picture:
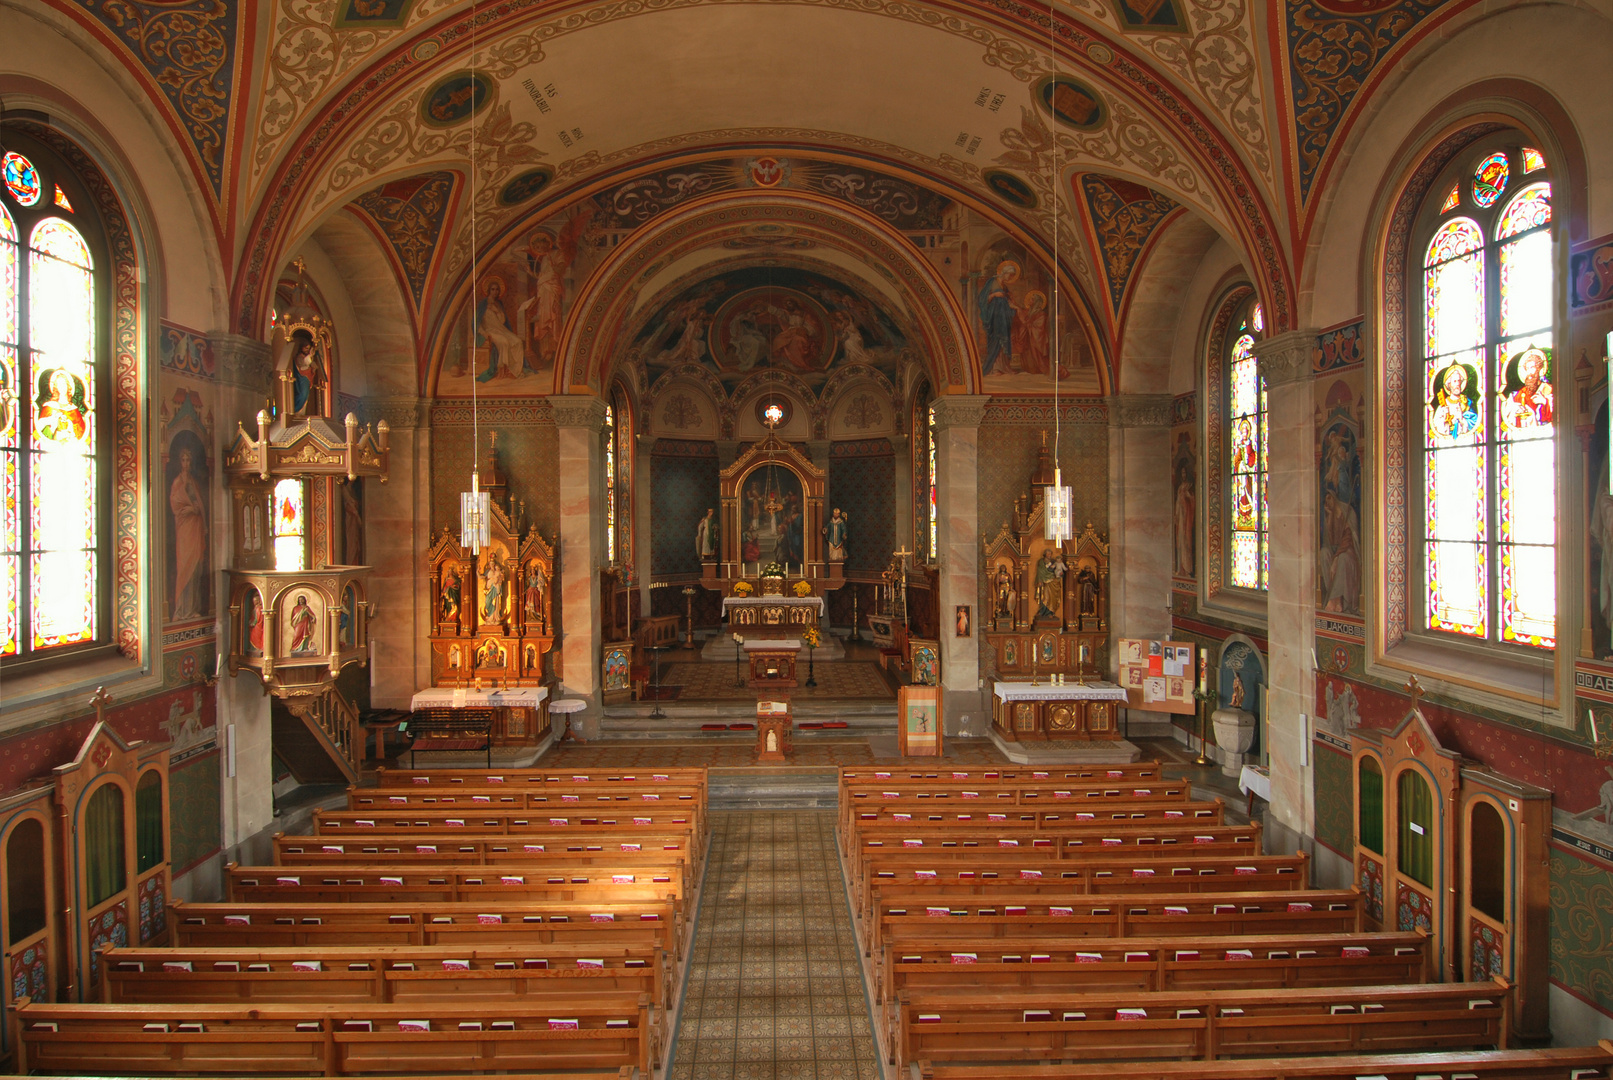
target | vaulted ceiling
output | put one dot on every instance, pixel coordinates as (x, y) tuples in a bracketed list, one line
[(1085, 137)]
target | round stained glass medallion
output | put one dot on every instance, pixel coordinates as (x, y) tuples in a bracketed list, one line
[(1490, 179), (22, 179), (773, 412)]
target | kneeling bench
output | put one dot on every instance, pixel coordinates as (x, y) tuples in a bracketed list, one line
[(450, 729)]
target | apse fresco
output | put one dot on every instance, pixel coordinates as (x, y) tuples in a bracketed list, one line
[(1015, 328), (1338, 563), (755, 318)]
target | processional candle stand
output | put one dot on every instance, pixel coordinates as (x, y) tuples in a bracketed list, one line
[(739, 662), (1201, 697), (688, 595)]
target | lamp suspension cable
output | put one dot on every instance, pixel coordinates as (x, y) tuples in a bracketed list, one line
[(474, 505), (1058, 498)]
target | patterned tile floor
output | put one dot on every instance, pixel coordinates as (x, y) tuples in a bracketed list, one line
[(775, 989)]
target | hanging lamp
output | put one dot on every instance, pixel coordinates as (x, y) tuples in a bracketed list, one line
[(1057, 500), (475, 505)]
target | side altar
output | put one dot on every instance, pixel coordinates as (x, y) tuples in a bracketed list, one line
[(493, 620)]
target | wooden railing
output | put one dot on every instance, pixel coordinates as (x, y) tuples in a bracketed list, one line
[(335, 722)]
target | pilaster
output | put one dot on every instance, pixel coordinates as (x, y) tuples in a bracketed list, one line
[(1286, 364), (397, 538), (1139, 518), (957, 457), (580, 420), (244, 363), (902, 447), (643, 484)]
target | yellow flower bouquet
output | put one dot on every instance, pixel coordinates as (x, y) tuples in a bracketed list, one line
[(803, 588), (812, 638), (743, 588)]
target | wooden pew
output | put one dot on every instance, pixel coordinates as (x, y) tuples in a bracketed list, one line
[(901, 812), (1135, 871), (566, 798), (378, 974), (500, 822), (1561, 1063), (1019, 916), (1147, 965), (637, 924), (1136, 798), (313, 1040), (360, 883), (1051, 1026), (390, 777), (618, 854), (1076, 841), (864, 776)]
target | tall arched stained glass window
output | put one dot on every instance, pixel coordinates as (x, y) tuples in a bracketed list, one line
[(1489, 430), (934, 515), (52, 553), (619, 477), (610, 483), (1246, 464)]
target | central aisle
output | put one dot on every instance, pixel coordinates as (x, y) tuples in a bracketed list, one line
[(775, 988)]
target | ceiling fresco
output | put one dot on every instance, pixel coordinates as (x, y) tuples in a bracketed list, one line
[(290, 111)]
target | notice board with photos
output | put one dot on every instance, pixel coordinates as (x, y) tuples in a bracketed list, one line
[(1159, 676)]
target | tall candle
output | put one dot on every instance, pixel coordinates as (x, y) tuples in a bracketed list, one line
[(1203, 663)]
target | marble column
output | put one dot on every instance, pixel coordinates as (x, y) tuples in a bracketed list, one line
[(1291, 498), (397, 541), (957, 454), (1140, 508), (246, 800), (580, 420)]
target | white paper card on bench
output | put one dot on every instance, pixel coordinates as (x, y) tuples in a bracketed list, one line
[(1131, 1014), (456, 965), (1088, 958), (414, 1025), (177, 965), (601, 916), (489, 919), (557, 1024), (1061, 912), (593, 963)]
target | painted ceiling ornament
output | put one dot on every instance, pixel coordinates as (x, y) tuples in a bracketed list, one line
[(1071, 102), (1011, 188), (1158, 16), (767, 171)]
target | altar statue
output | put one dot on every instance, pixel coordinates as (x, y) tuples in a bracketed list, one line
[(1003, 589), (1049, 583), (705, 535), (838, 532)]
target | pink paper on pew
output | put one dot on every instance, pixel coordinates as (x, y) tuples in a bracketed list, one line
[(1030, 875)]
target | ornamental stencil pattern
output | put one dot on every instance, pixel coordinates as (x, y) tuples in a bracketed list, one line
[(410, 214), (1331, 57), (1124, 217), (862, 482), (681, 489), (1581, 927), (1335, 797), (188, 49)]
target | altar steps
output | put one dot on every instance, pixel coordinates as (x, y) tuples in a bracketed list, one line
[(685, 720)]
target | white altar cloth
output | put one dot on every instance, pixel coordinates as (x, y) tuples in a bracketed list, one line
[(1022, 690), (448, 697), (815, 602), (772, 644), (1254, 780)]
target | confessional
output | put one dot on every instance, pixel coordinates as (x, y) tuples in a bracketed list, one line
[(86, 864), (1449, 847)]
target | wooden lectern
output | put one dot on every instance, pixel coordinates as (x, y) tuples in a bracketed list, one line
[(773, 727)]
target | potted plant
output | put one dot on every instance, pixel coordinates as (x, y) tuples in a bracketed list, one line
[(773, 579), (813, 639), (803, 588), (743, 588)]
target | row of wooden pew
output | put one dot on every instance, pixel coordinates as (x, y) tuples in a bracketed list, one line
[(1021, 924), (503, 934)]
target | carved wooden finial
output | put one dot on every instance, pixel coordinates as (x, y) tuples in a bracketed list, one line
[(100, 700), (1415, 689)]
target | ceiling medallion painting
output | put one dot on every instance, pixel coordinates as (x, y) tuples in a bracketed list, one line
[(1158, 16), (1072, 102), (525, 185), (452, 98), (759, 317), (1011, 188), (371, 13)]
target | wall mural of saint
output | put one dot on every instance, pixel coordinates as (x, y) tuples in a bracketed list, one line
[(772, 513)]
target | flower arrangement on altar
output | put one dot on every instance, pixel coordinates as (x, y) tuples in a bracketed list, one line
[(743, 588), (773, 569), (803, 588), (812, 638)]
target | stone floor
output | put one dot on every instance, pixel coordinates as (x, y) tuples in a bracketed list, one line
[(838, 680), (775, 986)]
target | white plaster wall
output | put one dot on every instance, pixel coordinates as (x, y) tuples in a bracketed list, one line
[(1216, 270), (1159, 290), (332, 287), (1556, 46), (380, 310)]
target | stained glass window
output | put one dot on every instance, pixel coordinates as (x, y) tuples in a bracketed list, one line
[(1246, 439), (62, 199), (52, 556), (21, 178), (619, 478), (610, 483), (1490, 475), (1533, 160), (1490, 179), (935, 552), (1452, 199), (290, 525)]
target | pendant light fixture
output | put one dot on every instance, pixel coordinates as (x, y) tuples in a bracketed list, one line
[(475, 505), (1057, 500)]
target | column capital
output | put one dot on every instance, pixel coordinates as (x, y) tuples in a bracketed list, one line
[(1286, 358), (578, 411), (1140, 410), (959, 410), (243, 362), (400, 413)]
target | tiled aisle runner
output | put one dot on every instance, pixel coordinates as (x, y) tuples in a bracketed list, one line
[(775, 989)]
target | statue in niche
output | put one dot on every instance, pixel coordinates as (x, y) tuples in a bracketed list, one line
[(448, 609), (1049, 584), (492, 591), (1086, 590), (1003, 590)]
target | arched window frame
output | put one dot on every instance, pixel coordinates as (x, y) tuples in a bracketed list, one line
[(1234, 311), (1483, 673), (62, 197)]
